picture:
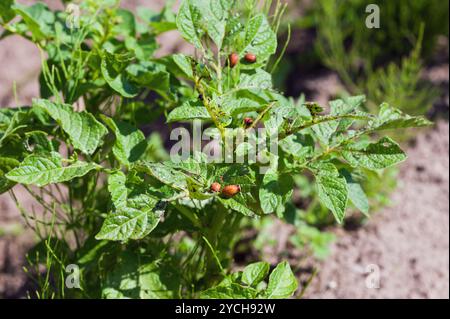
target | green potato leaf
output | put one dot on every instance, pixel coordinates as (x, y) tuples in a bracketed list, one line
[(232, 291), (38, 18), (189, 21), (113, 71), (255, 273), (391, 118), (331, 189), (127, 223), (83, 129), (118, 189), (139, 276), (188, 111), (259, 39), (356, 193), (282, 282), (41, 170), (275, 191), (130, 142), (197, 17), (379, 155)]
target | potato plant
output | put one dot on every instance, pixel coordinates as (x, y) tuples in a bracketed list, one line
[(140, 223)]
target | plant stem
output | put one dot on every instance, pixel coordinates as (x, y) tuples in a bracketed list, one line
[(217, 221), (324, 119)]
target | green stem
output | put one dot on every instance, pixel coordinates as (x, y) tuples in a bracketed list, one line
[(213, 252), (189, 215), (324, 119), (208, 107), (261, 115), (211, 236), (219, 72)]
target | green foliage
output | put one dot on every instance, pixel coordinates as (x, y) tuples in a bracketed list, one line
[(254, 273), (249, 283), (282, 282), (44, 169), (400, 24), (401, 84), (84, 131), (371, 64), (139, 224), (309, 237), (128, 223), (383, 63), (332, 190), (130, 142), (6, 11), (136, 276), (274, 192), (6, 165)]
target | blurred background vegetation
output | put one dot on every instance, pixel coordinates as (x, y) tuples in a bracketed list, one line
[(384, 63)]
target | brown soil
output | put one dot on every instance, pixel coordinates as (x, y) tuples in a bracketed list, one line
[(15, 240), (409, 241)]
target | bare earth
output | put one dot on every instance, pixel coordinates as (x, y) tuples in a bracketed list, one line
[(408, 242)]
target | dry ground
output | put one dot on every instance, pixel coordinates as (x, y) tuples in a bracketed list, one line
[(408, 241)]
